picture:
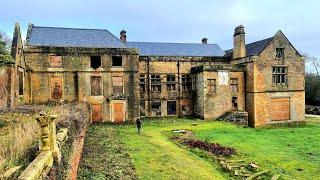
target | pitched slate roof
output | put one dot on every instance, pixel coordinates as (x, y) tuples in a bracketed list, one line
[(254, 48), (73, 37), (176, 49)]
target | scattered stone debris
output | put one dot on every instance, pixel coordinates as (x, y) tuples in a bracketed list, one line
[(180, 131), (237, 117), (275, 177)]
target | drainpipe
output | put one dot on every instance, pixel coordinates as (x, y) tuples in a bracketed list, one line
[(148, 84)]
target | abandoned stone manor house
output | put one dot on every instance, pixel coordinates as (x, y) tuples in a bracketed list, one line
[(124, 80)]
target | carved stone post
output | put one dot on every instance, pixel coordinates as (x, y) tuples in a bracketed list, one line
[(48, 132)]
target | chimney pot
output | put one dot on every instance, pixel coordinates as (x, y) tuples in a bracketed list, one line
[(204, 40), (123, 36)]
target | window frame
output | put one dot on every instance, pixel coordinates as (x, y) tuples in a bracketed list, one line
[(185, 82), (101, 86), (234, 84), (171, 82), (212, 85), (122, 84), (279, 75), (280, 53), (155, 81)]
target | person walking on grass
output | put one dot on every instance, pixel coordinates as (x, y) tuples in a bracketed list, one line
[(139, 124)]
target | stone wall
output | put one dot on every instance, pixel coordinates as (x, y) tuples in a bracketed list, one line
[(260, 90), (72, 73)]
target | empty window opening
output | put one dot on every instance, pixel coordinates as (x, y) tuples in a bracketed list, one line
[(142, 83), (171, 82), (155, 83), (234, 85), (117, 83), (194, 83), (20, 77), (279, 75), (171, 107), (142, 108), (117, 61), (156, 108), (95, 62), (234, 102), (280, 53), (96, 86), (211, 85), (185, 81)]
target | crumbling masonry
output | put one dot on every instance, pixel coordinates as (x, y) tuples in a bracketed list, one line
[(123, 80)]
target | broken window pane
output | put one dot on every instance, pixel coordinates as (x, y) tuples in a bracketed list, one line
[(96, 86), (95, 62), (142, 83), (280, 53), (155, 83), (171, 107), (117, 83), (235, 102), (117, 61), (171, 82), (185, 82), (279, 75), (234, 85), (156, 108)]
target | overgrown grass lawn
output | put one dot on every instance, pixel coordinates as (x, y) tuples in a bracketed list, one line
[(292, 152)]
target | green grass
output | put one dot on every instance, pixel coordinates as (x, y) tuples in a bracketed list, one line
[(293, 152)]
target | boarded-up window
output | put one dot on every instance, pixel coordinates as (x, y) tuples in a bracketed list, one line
[(186, 107), (171, 82), (96, 86), (155, 83), (185, 82), (117, 83), (56, 88), (55, 61), (96, 112), (234, 85), (118, 112), (279, 109), (20, 77), (211, 85), (171, 107)]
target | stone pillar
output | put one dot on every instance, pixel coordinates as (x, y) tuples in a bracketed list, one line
[(48, 132)]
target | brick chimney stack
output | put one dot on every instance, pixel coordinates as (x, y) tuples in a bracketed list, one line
[(204, 40), (239, 44), (123, 36)]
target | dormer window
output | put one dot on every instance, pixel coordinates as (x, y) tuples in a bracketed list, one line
[(95, 62), (280, 53)]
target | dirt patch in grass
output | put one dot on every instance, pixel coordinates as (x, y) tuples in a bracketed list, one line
[(187, 138), (104, 156)]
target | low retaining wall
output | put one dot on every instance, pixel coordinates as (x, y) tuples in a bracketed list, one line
[(50, 149)]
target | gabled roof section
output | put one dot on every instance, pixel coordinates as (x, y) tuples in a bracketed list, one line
[(176, 49), (73, 37), (255, 48)]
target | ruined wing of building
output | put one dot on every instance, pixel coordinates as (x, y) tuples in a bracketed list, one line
[(124, 80)]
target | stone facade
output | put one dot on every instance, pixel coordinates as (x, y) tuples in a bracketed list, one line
[(264, 78)]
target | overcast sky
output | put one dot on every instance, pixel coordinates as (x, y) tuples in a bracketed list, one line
[(175, 21)]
